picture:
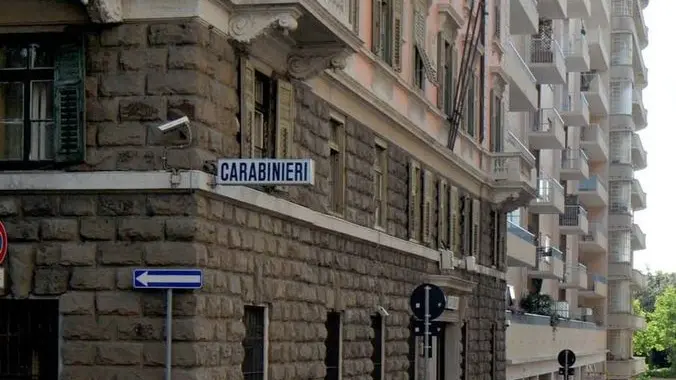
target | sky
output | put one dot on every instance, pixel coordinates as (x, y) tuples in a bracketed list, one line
[(658, 140)]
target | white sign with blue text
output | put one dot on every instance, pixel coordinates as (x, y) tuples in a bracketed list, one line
[(265, 171), (167, 278)]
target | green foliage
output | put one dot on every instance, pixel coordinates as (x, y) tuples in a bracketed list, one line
[(535, 303), (660, 334), (657, 282)]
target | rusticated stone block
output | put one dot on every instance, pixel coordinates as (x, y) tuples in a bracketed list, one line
[(21, 259), (189, 33), (9, 206), (102, 109), (40, 205), (118, 303), (121, 205), (171, 204), (78, 353), (174, 253), (145, 58), (124, 134), (22, 229), (97, 228), (59, 229), (78, 205), (78, 254), (92, 279), (141, 229), (125, 35), (147, 108), (77, 303), (51, 280), (126, 84), (177, 82)]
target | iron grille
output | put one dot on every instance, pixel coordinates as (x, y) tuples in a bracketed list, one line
[(29, 339), (377, 343), (332, 342), (411, 351), (253, 367), (464, 342)]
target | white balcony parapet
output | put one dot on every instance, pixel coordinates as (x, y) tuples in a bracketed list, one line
[(546, 60)]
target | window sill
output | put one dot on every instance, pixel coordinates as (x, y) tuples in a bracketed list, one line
[(380, 228)]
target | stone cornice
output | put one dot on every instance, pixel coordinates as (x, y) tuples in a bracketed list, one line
[(246, 25), (309, 62), (104, 11)]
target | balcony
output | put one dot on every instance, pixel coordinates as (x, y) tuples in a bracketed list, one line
[(577, 54), (514, 174), (600, 13), (574, 220), (575, 277), (593, 192), (620, 271), (637, 238), (599, 49), (641, 28), (520, 246), (575, 110), (579, 9), (596, 92), (574, 165), (625, 369), (550, 197), (638, 279), (594, 143), (638, 110), (597, 287), (523, 95), (530, 339), (619, 218), (639, 157), (596, 240), (523, 17), (280, 27), (640, 69), (553, 9), (547, 131), (549, 264), (546, 60), (625, 321), (638, 196)]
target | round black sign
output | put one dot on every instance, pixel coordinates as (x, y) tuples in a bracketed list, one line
[(566, 358), (437, 301)]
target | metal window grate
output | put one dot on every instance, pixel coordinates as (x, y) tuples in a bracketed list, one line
[(332, 344), (377, 342), (29, 339), (253, 367)]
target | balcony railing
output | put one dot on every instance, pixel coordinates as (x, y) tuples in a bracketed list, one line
[(622, 8), (591, 184), (577, 53), (545, 49), (596, 92), (550, 197), (575, 109), (593, 141), (574, 159), (574, 220), (520, 232), (597, 233)]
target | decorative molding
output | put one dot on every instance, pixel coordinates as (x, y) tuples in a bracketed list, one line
[(449, 281), (195, 180), (246, 25), (308, 62), (104, 11)]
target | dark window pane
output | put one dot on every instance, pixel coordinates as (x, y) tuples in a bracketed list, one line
[(42, 56), (332, 343), (377, 343), (13, 57), (254, 343)]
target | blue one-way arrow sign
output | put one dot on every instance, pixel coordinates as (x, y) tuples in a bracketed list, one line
[(167, 278)]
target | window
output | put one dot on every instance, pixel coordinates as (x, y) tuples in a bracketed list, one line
[(337, 166), (497, 128), (333, 344), (470, 107), (497, 22), (449, 78), (29, 339), (41, 100), (415, 201), (466, 224), (380, 184), (455, 234), (419, 70), (377, 342), (255, 355), (442, 225), (267, 114), (496, 231), (494, 346), (386, 31), (464, 343), (476, 227), (412, 354)]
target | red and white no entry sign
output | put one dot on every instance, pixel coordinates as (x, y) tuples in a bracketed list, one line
[(3, 243)]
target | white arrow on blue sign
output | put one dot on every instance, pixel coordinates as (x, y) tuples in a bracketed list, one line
[(167, 278)]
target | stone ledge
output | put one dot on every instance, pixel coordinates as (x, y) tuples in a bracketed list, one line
[(193, 180)]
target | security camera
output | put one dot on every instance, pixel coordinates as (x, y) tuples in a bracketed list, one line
[(170, 126), (382, 311)]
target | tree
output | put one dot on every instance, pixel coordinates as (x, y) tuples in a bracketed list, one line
[(657, 282), (644, 340), (660, 334)]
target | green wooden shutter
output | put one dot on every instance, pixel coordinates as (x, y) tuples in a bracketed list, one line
[(397, 15), (354, 15), (286, 107), (376, 25), (69, 101), (247, 107)]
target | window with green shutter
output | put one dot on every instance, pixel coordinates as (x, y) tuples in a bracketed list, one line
[(42, 121)]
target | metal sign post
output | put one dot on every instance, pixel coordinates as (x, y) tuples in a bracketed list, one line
[(427, 302), (566, 360), (168, 279)]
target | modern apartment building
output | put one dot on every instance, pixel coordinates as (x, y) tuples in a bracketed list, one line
[(300, 282), (575, 80)]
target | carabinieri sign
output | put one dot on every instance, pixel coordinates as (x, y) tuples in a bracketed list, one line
[(265, 171), (167, 278)]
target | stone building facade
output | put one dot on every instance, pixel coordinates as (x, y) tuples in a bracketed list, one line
[(78, 229)]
